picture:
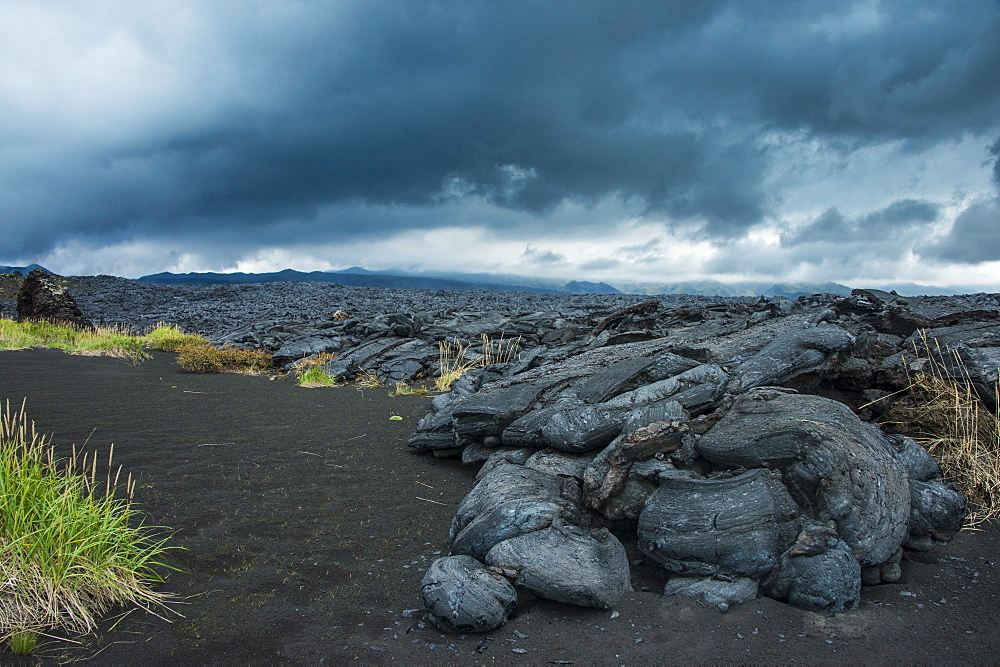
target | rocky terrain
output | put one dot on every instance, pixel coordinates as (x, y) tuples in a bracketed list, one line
[(735, 441)]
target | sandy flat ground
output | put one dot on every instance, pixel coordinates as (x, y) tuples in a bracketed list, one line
[(305, 525)]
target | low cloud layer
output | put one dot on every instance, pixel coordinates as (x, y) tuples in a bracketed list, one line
[(586, 139)]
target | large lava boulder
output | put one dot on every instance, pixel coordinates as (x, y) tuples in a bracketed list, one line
[(817, 572), (461, 594), (732, 526), (510, 500), (41, 298), (566, 563), (836, 467)]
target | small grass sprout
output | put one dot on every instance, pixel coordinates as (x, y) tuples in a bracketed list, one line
[(23, 643), (71, 546), (403, 389), (453, 362), (368, 380), (500, 350), (942, 411), (309, 372)]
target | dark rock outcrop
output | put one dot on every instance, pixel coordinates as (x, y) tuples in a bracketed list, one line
[(41, 298)]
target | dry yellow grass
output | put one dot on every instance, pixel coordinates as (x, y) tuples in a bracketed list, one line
[(454, 360), (943, 413), (367, 380)]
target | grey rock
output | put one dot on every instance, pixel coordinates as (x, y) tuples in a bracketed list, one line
[(888, 572), (305, 347), (504, 455), (789, 355), (720, 594), (919, 463), (835, 466), (42, 298), (708, 379), (937, 511), (630, 500), (491, 410), (582, 428), (366, 356), (553, 462), (429, 441), (510, 500), (735, 526), (461, 594), (476, 453), (818, 572), (606, 474), (526, 430), (612, 380), (661, 411), (587, 568)]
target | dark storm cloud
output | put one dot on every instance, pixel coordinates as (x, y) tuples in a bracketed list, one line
[(995, 152), (973, 237), (520, 105), (833, 227)]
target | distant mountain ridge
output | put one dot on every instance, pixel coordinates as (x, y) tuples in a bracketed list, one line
[(744, 288), (359, 277), (353, 277), (23, 270), (698, 287)]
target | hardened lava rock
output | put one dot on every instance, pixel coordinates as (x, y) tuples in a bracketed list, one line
[(461, 594)]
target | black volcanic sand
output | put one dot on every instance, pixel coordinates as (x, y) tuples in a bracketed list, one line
[(306, 526)]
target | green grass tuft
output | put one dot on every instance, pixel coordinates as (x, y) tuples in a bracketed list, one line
[(316, 377), (70, 546), (168, 338), (403, 389), (106, 341), (23, 643)]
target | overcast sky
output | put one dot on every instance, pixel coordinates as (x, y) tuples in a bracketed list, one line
[(649, 141)]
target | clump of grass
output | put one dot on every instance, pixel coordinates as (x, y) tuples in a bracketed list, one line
[(367, 380), (204, 358), (316, 377), (500, 350), (403, 389), (23, 643), (169, 338), (942, 412), (22, 335), (110, 343), (453, 363), (309, 372), (455, 358), (69, 546), (104, 340)]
